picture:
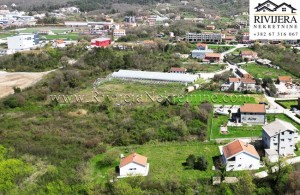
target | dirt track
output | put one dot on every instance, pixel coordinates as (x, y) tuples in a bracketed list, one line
[(17, 79)]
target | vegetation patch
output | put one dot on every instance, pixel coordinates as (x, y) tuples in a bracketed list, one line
[(261, 71), (199, 96)]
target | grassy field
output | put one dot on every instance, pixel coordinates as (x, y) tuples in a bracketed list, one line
[(216, 98), (36, 30), (215, 46), (203, 67), (259, 71), (244, 131), (289, 103), (165, 160), (5, 35), (71, 36), (118, 91)]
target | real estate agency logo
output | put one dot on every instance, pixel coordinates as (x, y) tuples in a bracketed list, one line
[(274, 20)]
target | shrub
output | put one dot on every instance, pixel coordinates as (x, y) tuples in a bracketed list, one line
[(190, 161), (201, 163)]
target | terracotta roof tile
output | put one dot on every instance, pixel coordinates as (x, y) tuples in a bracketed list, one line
[(253, 108), (248, 53), (248, 80), (237, 146), (134, 157), (234, 80), (213, 55), (175, 69), (285, 78)]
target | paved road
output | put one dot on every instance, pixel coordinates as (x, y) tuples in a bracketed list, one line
[(229, 66), (280, 109)]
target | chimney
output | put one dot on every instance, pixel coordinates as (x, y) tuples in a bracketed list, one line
[(121, 156)]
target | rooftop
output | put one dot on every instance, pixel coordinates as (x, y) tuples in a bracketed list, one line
[(278, 126), (238, 146), (213, 55), (234, 80), (134, 157), (248, 52), (248, 80), (158, 76), (176, 69), (285, 78), (253, 108)]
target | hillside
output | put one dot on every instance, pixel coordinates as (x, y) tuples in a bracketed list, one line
[(219, 7)]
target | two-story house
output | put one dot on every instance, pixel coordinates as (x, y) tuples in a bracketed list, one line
[(280, 137), (252, 114), (238, 155)]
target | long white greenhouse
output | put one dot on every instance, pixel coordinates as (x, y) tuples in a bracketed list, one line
[(155, 76)]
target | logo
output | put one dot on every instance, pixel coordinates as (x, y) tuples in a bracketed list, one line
[(274, 20)]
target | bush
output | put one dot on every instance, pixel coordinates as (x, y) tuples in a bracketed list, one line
[(201, 163), (190, 161), (108, 159), (14, 101)]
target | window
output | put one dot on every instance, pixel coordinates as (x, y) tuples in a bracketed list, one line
[(132, 169), (268, 5), (282, 133), (275, 144), (282, 147), (284, 9), (239, 165), (282, 140)]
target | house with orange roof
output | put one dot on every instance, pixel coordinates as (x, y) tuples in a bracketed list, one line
[(213, 57), (202, 46), (210, 27), (284, 79), (177, 70), (59, 43), (239, 155), (252, 114), (248, 54), (134, 165)]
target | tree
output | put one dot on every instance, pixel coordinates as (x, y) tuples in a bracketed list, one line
[(278, 173), (190, 161), (245, 185), (201, 163), (223, 172)]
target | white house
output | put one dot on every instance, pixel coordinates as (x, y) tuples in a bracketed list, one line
[(134, 165), (239, 84), (117, 33), (22, 42), (200, 53), (279, 137), (253, 114), (238, 155)]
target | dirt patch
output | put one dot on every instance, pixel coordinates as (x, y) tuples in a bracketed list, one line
[(21, 80), (79, 112)]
